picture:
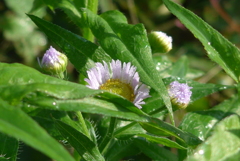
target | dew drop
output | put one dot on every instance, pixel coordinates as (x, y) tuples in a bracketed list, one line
[(209, 43), (201, 152), (54, 103)]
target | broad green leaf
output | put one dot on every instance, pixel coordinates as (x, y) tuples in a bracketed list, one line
[(81, 52), (38, 90), (56, 93), (71, 8), (163, 65), (219, 49), (161, 140), (16, 83), (154, 151), (127, 43), (160, 128), (49, 126), (17, 124), (127, 130), (107, 108), (8, 147), (223, 144), (200, 123), (84, 146), (180, 68), (88, 105), (71, 97), (119, 149), (153, 103), (45, 118)]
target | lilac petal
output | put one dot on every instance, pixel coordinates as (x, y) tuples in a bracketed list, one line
[(180, 92)]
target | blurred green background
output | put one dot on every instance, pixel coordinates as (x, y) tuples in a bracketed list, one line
[(22, 42)]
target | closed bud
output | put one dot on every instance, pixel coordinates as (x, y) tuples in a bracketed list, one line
[(160, 42), (54, 62)]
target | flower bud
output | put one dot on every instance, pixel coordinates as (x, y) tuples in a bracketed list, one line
[(180, 94), (160, 42), (54, 62)]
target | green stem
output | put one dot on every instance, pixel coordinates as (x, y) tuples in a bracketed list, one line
[(92, 5), (76, 155), (109, 135), (82, 123)]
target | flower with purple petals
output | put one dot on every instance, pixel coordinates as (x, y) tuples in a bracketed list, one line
[(180, 94), (53, 62), (118, 78)]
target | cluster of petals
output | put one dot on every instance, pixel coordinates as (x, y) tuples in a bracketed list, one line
[(50, 57), (180, 93), (124, 72)]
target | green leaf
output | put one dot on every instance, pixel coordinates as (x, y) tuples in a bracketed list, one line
[(71, 8), (160, 128), (89, 105), (200, 123), (154, 151), (128, 43), (27, 130), (45, 118), (81, 52), (57, 94), (219, 49), (8, 147), (127, 130), (223, 144), (162, 64), (16, 84), (161, 140), (118, 150), (45, 91), (84, 146), (180, 68)]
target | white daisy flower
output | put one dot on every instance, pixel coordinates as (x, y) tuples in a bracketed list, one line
[(118, 78)]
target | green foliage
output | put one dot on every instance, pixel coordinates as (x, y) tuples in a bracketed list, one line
[(8, 147), (18, 124), (41, 110), (219, 49)]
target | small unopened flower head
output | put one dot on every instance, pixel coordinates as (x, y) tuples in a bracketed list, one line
[(160, 42), (180, 94), (119, 78), (54, 62)]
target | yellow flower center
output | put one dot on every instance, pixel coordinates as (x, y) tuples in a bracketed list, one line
[(120, 88)]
